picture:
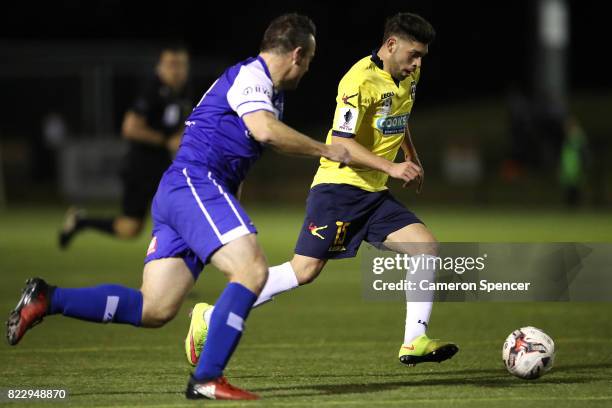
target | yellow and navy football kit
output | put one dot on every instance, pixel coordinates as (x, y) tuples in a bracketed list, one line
[(350, 204)]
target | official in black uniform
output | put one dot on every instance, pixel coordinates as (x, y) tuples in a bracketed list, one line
[(153, 127)]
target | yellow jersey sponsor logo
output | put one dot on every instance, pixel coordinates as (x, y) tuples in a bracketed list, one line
[(392, 125)]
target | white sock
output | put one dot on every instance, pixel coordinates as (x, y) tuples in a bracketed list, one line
[(281, 278), (417, 313)]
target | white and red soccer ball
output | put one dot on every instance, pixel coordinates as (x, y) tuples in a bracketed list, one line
[(528, 353)]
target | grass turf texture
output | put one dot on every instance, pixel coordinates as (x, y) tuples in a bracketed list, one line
[(319, 345)]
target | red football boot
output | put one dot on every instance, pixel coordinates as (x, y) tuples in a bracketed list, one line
[(216, 389), (30, 310)]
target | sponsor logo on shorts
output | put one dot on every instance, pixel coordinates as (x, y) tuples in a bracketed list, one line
[(152, 246), (314, 230)]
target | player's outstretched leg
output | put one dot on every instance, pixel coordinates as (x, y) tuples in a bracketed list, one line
[(165, 284), (243, 262), (103, 304)]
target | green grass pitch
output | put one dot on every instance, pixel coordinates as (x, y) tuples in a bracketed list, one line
[(320, 345)]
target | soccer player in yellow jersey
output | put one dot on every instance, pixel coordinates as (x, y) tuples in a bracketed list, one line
[(350, 204)]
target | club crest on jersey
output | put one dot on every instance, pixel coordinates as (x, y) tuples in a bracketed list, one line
[(345, 99), (152, 246), (385, 108), (347, 120), (413, 90), (314, 230)]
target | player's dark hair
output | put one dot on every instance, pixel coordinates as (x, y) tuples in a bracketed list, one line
[(287, 32), (410, 26)]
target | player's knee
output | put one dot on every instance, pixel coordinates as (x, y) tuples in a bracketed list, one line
[(252, 273)]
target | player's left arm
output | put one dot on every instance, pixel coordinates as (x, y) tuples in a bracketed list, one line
[(410, 154)]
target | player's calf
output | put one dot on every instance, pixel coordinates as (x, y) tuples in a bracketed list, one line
[(306, 268)]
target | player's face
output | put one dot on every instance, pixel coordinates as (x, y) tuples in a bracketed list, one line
[(300, 60), (406, 57), (173, 68)]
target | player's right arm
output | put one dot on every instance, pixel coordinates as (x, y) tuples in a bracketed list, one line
[(362, 157), (250, 96), (135, 128), (265, 128)]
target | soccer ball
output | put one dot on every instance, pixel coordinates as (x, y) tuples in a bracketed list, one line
[(528, 353)]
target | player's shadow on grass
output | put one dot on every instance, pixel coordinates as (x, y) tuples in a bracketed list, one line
[(137, 392), (591, 368), (486, 378)]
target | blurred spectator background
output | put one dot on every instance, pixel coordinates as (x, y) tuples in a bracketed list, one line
[(513, 105)]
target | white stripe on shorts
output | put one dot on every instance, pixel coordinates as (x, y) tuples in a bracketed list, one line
[(231, 234), (227, 199), (195, 195)]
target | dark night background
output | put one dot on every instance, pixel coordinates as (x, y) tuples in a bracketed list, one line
[(481, 49)]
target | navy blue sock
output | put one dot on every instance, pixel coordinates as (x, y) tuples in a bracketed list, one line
[(225, 330), (104, 303)]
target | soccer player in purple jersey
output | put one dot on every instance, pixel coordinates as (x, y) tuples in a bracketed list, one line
[(196, 216)]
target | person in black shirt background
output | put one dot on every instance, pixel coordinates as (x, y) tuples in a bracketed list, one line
[(153, 127)]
